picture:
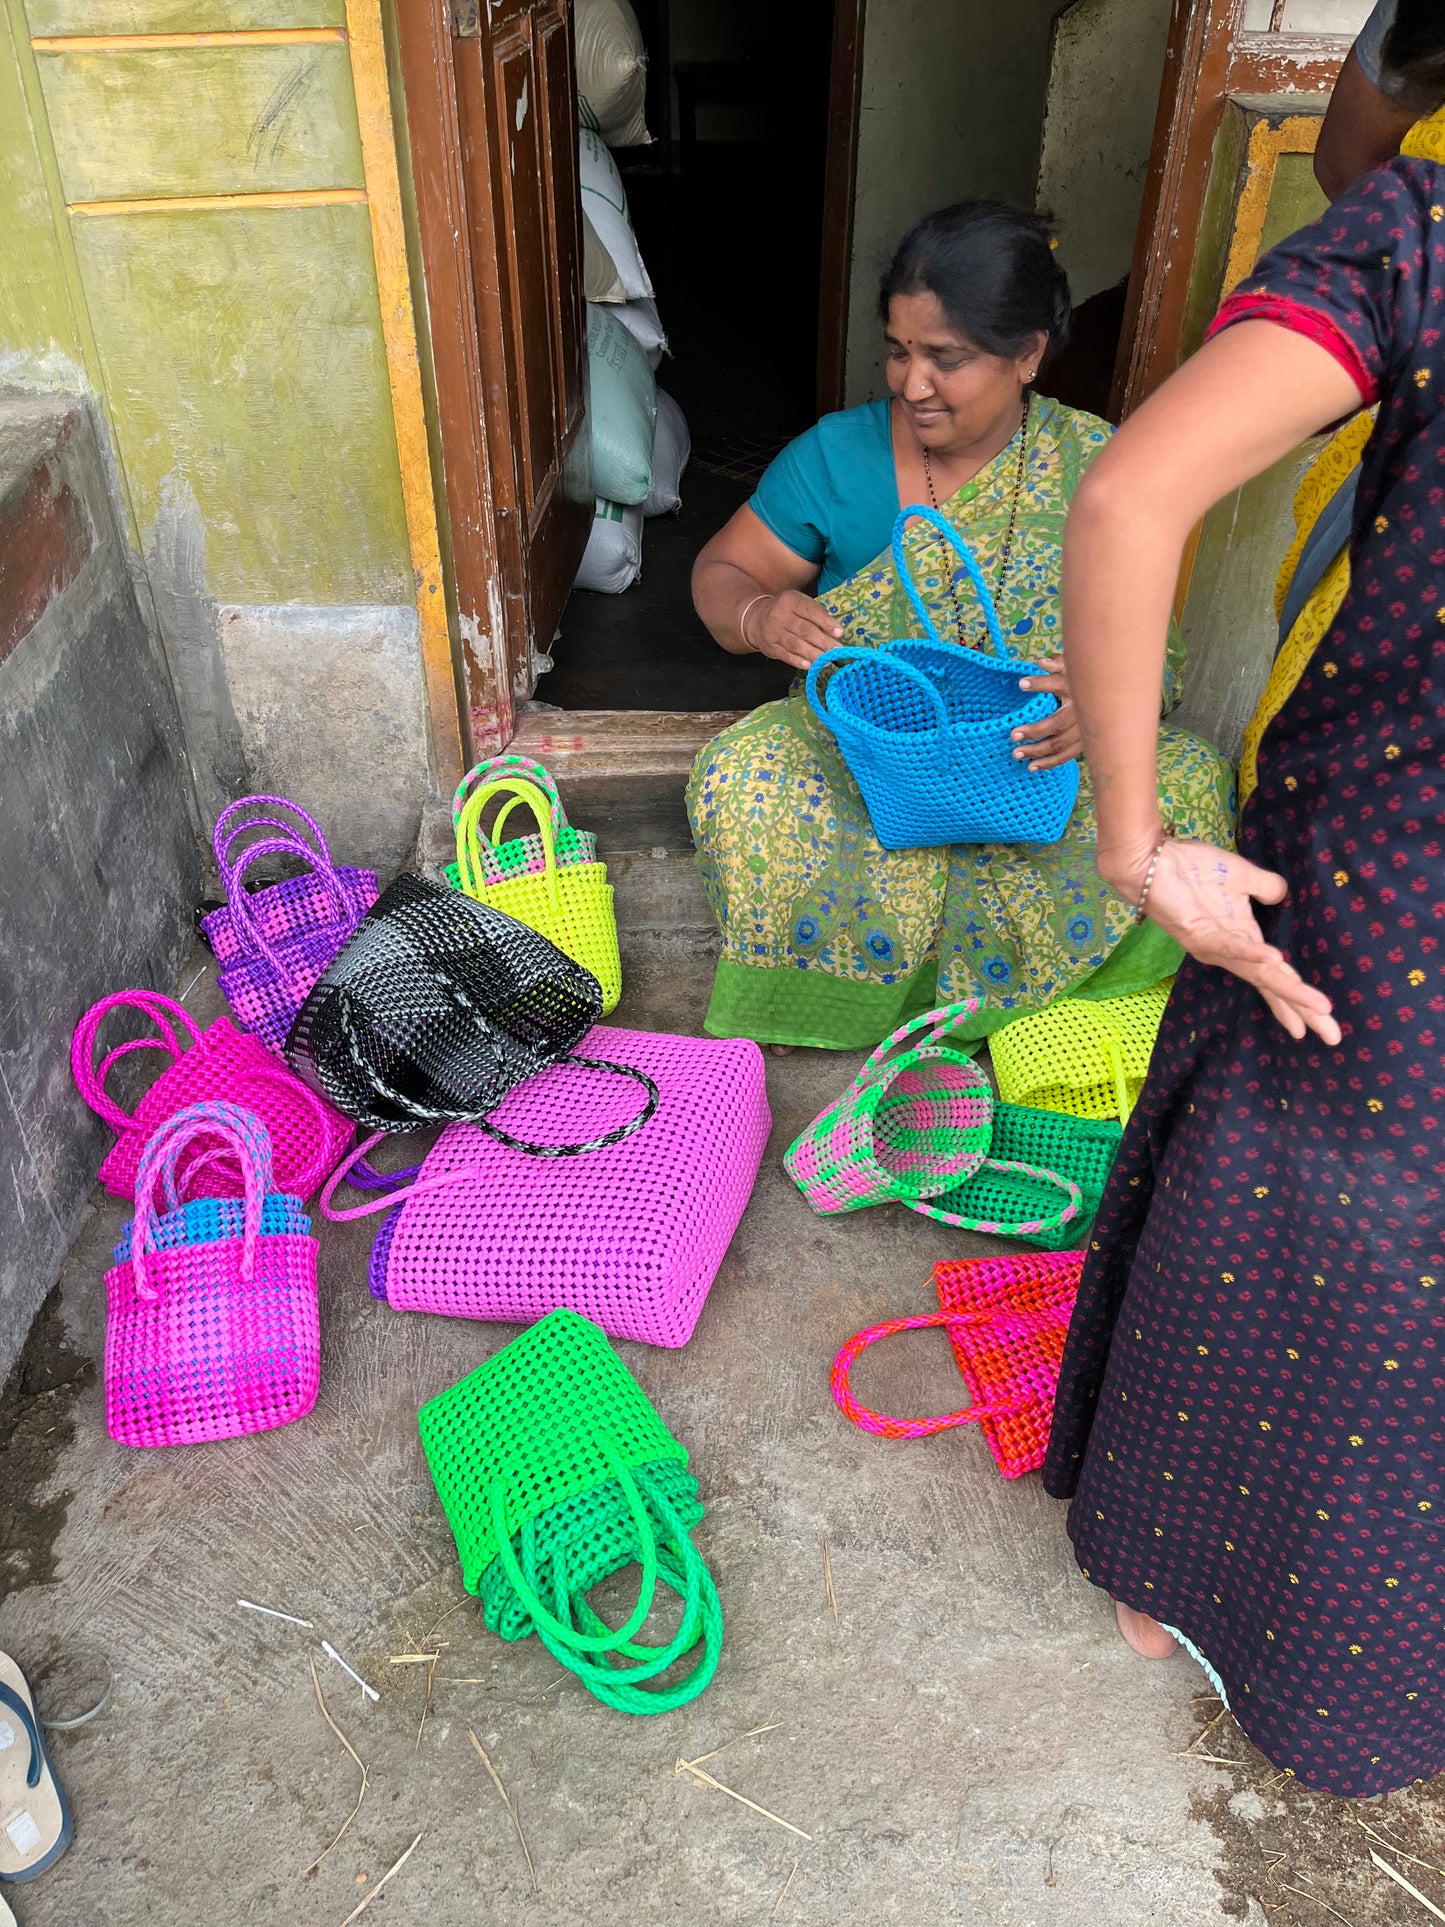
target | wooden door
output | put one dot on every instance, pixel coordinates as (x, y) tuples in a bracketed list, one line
[(1214, 56), (492, 125)]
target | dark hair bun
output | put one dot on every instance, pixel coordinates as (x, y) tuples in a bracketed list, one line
[(992, 269)]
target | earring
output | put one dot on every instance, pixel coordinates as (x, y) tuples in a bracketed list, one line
[(1030, 375)]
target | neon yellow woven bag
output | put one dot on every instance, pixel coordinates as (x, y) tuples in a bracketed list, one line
[(571, 904), (1085, 1058)]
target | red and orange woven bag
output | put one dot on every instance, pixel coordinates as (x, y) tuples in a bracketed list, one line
[(1007, 1319)]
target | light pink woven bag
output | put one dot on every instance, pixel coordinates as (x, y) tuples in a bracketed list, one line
[(630, 1236), (217, 1339)]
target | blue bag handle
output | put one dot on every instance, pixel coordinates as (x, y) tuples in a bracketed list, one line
[(970, 567), (831, 658)]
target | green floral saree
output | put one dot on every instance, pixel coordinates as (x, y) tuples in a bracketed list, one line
[(831, 940)]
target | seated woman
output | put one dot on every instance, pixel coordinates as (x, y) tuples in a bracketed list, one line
[(828, 938)]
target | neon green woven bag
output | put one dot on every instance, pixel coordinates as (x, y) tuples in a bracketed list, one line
[(570, 904), (554, 1472)]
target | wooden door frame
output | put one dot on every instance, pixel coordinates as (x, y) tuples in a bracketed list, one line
[(486, 624), (845, 95), (1209, 58)]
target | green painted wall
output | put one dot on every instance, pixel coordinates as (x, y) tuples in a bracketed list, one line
[(238, 351), (37, 314), (207, 120)]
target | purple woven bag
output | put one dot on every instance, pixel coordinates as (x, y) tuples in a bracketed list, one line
[(630, 1235), (274, 942)]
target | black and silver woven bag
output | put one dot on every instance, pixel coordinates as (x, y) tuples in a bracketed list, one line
[(437, 1007)]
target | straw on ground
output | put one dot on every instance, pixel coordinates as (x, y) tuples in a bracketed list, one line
[(496, 1782), (360, 1763), (395, 1867), (686, 1766)]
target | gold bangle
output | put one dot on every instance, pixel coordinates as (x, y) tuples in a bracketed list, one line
[(766, 596)]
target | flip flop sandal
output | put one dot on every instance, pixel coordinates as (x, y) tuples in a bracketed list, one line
[(34, 1815)]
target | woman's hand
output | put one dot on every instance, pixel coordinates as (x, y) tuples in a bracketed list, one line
[(792, 628), (1204, 897), (1056, 739)]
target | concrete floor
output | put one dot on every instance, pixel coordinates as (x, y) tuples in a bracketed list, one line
[(969, 1742)]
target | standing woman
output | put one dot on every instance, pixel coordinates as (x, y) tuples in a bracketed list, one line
[(1251, 1414)]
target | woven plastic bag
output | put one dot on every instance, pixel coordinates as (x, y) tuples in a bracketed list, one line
[(1007, 1319), (215, 1337), (572, 906), (913, 1122), (1075, 1150), (220, 1064), (534, 1455), (921, 1123), (926, 728), (274, 942), (526, 854), (1076, 1055), (437, 1007), (631, 1235)]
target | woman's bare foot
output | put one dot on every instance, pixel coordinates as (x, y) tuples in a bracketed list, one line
[(1147, 1637), (782, 1050)]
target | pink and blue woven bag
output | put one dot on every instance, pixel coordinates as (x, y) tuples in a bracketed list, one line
[(630, 1235), (212, 1329), (272, 943)]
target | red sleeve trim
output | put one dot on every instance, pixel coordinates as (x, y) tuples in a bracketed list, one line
[(1300, 320)]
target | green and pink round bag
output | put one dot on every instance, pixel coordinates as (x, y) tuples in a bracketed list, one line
[(917, 1121)]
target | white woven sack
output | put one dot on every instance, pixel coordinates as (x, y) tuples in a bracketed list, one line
[(621, 410), (643, 320), (605, 205), (671, 446), (600, 279), (613, 560), (612, 70)]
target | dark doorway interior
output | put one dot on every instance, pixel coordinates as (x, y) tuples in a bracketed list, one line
[(731, 231)]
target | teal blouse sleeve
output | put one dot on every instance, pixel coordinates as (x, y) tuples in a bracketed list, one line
[(789, 501), (831, 496)]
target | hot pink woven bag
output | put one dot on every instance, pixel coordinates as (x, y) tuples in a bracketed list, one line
[(216, 1065), (210, 1341), (630, 1236), (273, 943)]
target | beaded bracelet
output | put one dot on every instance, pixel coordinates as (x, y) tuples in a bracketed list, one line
[(1141, 907)]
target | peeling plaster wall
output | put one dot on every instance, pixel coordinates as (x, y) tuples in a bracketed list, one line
[(1104, 77), (953, 101), (99, 867), (237, 353)]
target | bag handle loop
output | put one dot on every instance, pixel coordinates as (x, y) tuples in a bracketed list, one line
[(250, 1143), (937, 1023), (510, 765), (308, 839), (920, 1428), (472, 842), (847, 652), (468, 1171), (90, 1080), (970, 568), (681, 1568), (647, 1539), (1030, 1227), (239, 903)]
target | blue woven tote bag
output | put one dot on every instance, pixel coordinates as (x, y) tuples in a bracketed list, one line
[(924, 728)]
